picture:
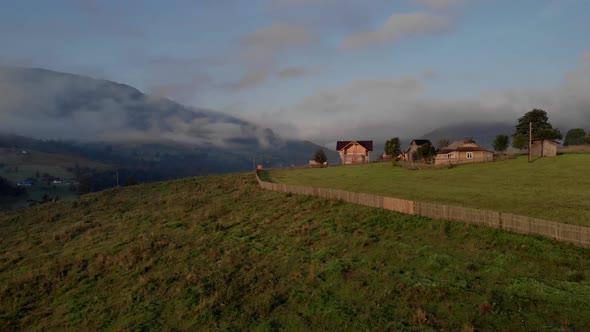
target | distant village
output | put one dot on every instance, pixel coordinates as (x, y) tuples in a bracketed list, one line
[(533, 134), (423, 152)]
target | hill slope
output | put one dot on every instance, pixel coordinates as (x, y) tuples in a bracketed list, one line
[(220, 253)]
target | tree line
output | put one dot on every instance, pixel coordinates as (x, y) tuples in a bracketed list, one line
[(537, 121)]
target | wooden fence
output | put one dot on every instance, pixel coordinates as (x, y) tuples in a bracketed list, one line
[(577, 235)]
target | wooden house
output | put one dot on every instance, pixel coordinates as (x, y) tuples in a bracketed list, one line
[(410, 154), (354, 152), (463, 152), (544, 148)]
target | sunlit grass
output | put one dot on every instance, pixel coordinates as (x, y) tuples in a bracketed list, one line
[(550, 188)]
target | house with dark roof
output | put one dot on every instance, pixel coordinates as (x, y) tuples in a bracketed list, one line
[(354, 152), (463, 152), (410, 154)]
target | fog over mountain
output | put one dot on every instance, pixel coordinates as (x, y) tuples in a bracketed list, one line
[(48, 104)]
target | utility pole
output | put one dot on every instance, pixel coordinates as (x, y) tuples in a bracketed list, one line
[(530, 139), (117, 179)]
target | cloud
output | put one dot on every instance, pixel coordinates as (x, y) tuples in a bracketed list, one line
[(289, 3), (326, 15), (254, 76), (46, 104), (428, 73), (292, 72), (398, 27), (377, 108), (440, 4), (261, 49), (182, 91), (277, 37)]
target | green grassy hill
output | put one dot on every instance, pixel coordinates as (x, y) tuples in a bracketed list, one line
[(549, 188), (219, 253)]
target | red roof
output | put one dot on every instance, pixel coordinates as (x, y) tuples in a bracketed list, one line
[(366, 144)]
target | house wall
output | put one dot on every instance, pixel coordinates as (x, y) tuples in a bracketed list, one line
[(354, 154), (461, 158), (544, 149), (413, 148)]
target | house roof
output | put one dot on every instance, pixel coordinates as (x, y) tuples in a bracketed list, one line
[(420, 141), (543, 139), (366, 144), (458, 146)]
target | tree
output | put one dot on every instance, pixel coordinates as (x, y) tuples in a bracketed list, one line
[(520, 141), (587, 140), (501, 143), (320, 156), (392, 147), (443, 143), (541, 127), (574, 137), (426, 151)]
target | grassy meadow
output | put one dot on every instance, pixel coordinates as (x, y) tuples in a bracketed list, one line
[(549, 188), (219, 253)]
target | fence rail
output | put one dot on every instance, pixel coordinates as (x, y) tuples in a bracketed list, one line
[(577, 235)]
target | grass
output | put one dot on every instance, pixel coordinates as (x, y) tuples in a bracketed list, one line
[(549, 188), (219, 253)]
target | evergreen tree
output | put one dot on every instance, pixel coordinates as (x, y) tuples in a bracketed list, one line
[(520, 141), (392, 147), (320, 156), (501, 143), (542, 129)]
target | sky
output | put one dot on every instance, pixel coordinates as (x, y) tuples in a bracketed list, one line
[(323, 69)]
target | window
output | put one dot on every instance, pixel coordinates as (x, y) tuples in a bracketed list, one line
[(469, 155), (451, 155)]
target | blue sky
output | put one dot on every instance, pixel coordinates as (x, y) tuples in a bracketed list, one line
[(302, 66)]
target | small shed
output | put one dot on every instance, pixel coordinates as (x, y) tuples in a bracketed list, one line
[(544, 148)]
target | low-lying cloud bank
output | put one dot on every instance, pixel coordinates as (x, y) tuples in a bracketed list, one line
[(381, 108), (47, 104)]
